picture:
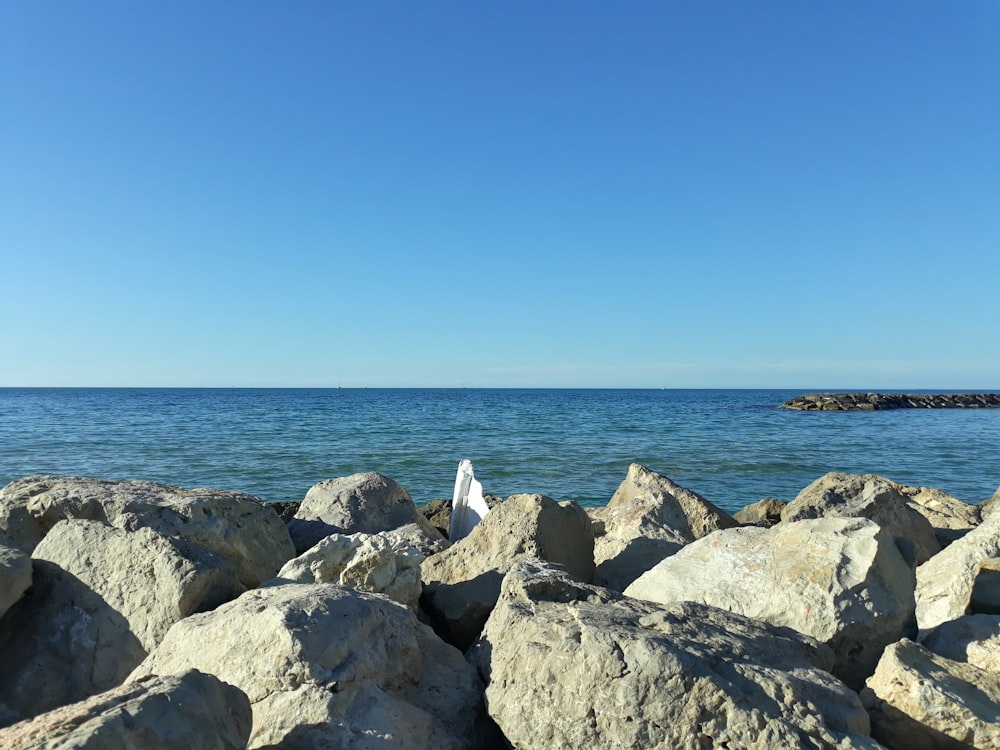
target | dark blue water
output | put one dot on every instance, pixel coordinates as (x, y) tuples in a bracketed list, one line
[(732, 446)]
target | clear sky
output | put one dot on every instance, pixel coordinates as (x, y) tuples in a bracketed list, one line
[(685, 194)]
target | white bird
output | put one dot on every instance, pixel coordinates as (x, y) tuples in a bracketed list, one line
[(467, 505)]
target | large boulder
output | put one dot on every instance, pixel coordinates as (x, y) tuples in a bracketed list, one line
[(102, 599), (326, 667), (15, 576), (384, 563), (647, 519), (946, 583), (974, 639), (191, 711), (840, 580), (367, 503), (571, 665), (950, 517), (919, 700), (462, 584), (236, 525), (867, 496)]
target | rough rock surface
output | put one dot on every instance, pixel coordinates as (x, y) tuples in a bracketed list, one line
[(866, 496), (438, 512), (15, 576), (328, 667), (879, 401), (384, 563), (974, 639), (237, 526), (102, 599), (950, 518), (921, 701), (569, 665), (765, 513), (366, 503), (945, 583), (988, 507), (192, 711), (647, 519), (839, 580), (462, 584)]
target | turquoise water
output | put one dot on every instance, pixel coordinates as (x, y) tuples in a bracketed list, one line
[(732, 446)]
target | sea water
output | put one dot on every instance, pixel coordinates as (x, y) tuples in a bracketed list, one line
[(734, 447)]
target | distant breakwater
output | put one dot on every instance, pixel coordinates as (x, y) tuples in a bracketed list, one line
[(880, 401)]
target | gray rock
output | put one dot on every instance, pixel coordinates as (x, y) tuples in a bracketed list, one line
[(570, 665), (950, 518), (384, 563), (921, 701), (367, 503), (326, 666), (462, 584), (237, 526), (840, 580), (946, 582), (192, 711), (648, 518), (102, 599), (867, 496), (15, 576), (974, 639), (764, 513)]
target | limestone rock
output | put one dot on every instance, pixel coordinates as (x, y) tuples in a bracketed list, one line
[(765, 513), (946, 582), (237, 526), (571, 665), (384, 563), (462, 584), (921, 701), (840, 580), (328, 667), (647, 519), (987, 507), (102, 599), (15, 576), (366, 503), (950, 518), (867, 496), (192, 711), (974, 639)]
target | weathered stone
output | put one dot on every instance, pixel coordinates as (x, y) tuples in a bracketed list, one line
[(326, 666), (987, 507), (647, 519), (102, 599), (840, 580), (462, 584), (15, 576), (384, 563), (192, 711), (879, 401), (366, 503), (765, 513), (921, 701), (237, 526), (570, 665), (974, 639), (945, 583), (950, 518), (867, 496)]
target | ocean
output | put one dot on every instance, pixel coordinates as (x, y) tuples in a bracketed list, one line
[(734, 447)]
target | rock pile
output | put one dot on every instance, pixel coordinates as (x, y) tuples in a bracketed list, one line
[(862, 614), (878, 401)]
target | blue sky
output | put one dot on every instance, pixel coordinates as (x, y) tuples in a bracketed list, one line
[(689, 194)]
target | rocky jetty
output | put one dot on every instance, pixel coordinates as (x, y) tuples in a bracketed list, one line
[(880, 401), (863, 614)]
